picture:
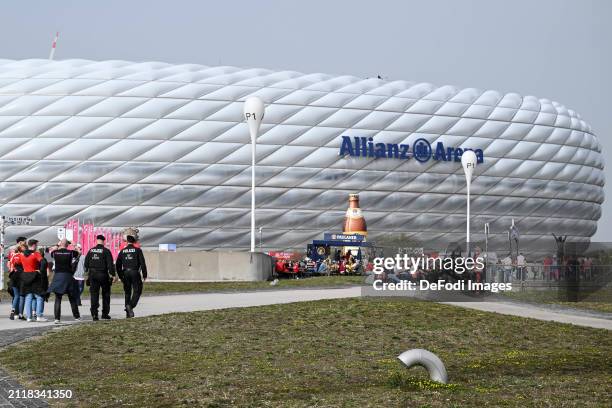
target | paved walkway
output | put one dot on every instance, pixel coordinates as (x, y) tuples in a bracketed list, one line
[(552, 313), (8, 386), (577, 317), (161, 304)]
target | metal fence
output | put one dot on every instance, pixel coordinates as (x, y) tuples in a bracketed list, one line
[(545, 273)]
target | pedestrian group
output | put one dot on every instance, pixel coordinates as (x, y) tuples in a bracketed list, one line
[(30, 268)]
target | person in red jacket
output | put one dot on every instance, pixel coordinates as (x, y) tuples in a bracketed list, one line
[(280, 266), (33, 279)]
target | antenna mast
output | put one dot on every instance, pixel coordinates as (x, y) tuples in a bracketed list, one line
[(53, 46)]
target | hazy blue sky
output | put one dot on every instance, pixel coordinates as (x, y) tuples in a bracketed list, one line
[(561, 50)]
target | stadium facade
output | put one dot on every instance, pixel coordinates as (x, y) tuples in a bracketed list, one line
[(164, 147)]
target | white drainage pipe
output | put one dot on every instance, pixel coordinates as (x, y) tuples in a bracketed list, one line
[(427, 359)]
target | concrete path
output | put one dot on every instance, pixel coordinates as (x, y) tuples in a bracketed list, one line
[(9, 389), (161, 304), (577, 317)]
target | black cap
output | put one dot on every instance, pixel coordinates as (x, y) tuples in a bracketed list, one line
[(101, 237), (20, 239), (32, 242), (130, 239)]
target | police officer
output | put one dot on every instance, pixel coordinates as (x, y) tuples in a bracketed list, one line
[(100, 271), (63, 283), (130, 263)]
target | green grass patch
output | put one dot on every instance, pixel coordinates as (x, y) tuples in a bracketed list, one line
[(157, 288), (186, 287), (332, 353)]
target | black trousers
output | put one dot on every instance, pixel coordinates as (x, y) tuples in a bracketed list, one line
[(96, 282), (132, 286), (73, 305)]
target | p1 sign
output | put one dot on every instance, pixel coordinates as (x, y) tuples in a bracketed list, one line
[(468, 161), (253, 111)]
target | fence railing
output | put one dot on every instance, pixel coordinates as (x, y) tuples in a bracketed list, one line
[(547, 273)]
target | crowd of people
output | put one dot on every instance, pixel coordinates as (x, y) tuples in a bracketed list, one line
[(31, 268), (339, 265), (548, 269), (502, 269), (497, 269)]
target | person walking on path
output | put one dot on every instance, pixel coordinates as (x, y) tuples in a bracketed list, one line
[(14, 279), (130, 264), (63, 281), (100, 274), (33, 281), (79, 274)]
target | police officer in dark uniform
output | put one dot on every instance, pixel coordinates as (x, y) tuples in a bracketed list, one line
[(130, 263), (65, 261), (100, 271)]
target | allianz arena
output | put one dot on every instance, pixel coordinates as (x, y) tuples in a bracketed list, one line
[(164, 147)]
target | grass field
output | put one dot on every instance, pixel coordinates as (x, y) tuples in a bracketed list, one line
[(151, 288), (172, 287), (334, 353)]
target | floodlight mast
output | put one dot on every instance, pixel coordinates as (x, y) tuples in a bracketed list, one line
[(253, 114), (54, 46), (2, 220), (468, 161)]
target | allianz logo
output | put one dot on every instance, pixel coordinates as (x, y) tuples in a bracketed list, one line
[(421, 150)]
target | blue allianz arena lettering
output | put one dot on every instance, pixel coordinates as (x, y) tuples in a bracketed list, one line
[(421, 150)]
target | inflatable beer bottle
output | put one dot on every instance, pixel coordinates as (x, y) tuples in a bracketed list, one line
[(354, 223)]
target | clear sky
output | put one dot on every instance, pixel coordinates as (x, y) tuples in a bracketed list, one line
[(557, 49)]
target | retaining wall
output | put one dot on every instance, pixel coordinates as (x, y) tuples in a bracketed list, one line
[(212, 266)]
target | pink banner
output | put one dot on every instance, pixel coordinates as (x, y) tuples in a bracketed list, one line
[(85, 235)]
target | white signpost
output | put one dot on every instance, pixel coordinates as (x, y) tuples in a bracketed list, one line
[(253, 114), (61, 233), (5, 221), (468, 161), (486, 256)]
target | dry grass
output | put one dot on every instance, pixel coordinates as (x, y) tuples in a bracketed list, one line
[(335, 353)]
